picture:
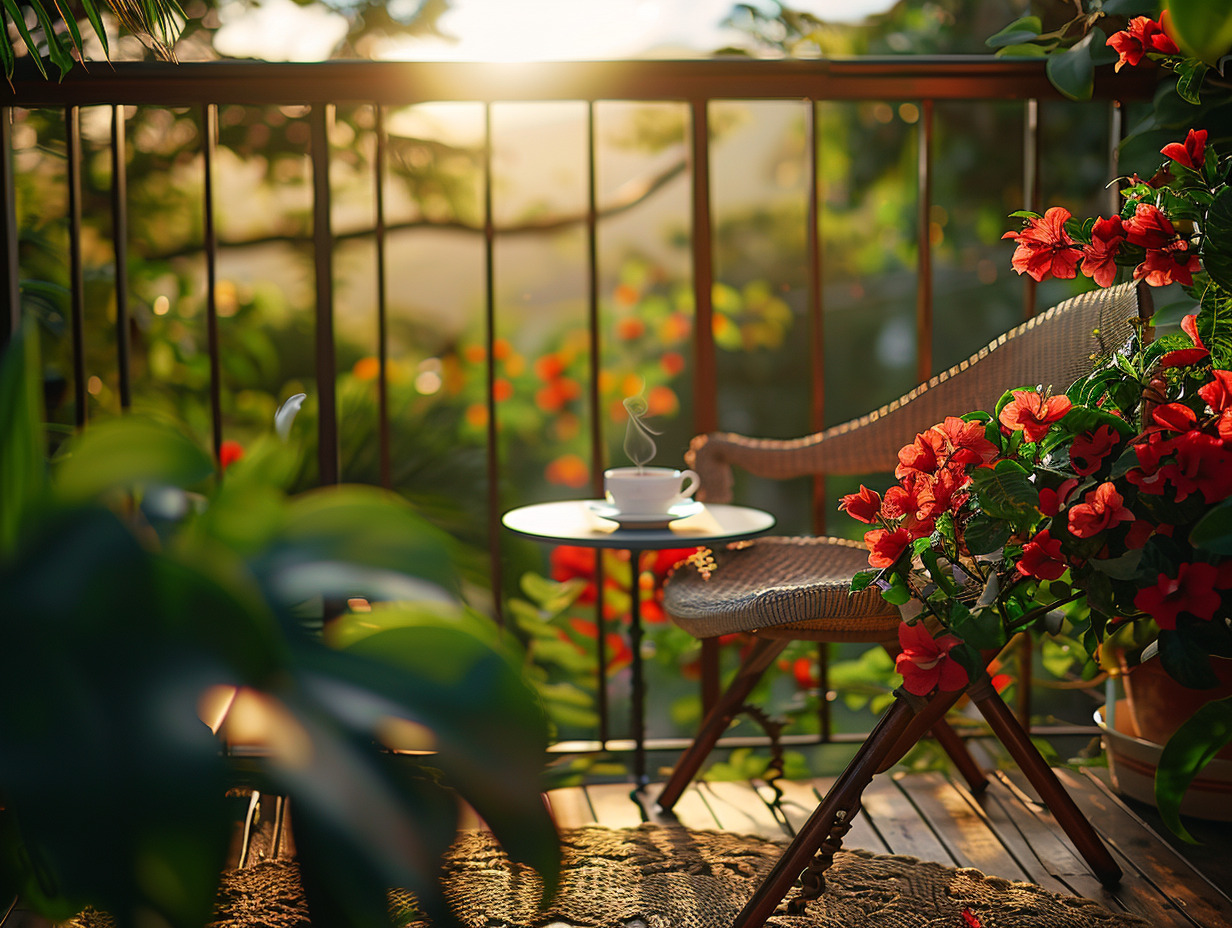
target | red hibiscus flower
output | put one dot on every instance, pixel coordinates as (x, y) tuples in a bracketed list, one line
[(1149, 227), (1183, 357), (1142, 36), (1146, 476), (1088, 450), (1051, 501), (1042, 558), (1100, 509), (1163, 266), (1099, 258), (944, 492), (925, 663), (1045, 249), (1175, 417), (1218, 393), (912, 501), (921, 456), (864, 506), (1030, 413), (1192, 590), (885, 546), (1202, 465), (966, 441), (1191, 153)]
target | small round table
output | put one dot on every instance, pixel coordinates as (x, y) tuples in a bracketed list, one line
[(583, 522)]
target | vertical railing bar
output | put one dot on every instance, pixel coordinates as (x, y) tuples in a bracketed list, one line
[(1116, 128), (1030, 187), (924, 279), (817, 356), (119, 219), (817, 342), (382, 301), (596, 422), (76, 276), (328, 454), (705, 400), (9, 231), (489, 324), (209, 151)]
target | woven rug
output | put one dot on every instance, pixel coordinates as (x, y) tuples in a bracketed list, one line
[(661, 877)]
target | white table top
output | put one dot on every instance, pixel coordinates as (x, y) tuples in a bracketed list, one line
[(576, 522)]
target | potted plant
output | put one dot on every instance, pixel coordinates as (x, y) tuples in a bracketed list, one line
[(137, 577), (1108, 500)]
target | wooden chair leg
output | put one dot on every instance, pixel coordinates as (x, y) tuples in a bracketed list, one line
[(1076, 825), (896, 731), (956, 748), (764, 651)]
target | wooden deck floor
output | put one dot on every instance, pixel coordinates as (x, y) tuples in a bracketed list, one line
[(1005, 832)]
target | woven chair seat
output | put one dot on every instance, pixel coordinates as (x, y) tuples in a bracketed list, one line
[(797, 587)]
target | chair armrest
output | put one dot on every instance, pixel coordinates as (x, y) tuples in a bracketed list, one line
[(714, 454)]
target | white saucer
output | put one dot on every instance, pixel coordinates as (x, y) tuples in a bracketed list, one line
[(681, 510)]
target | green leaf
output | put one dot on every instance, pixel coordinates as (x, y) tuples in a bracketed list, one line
[(1202, 28), (1215, 326), (1022, 51), (1006, 492), (1190, 74), (984, 534), (56, 49), (1190, 749), (1217, 248), (982, 629), (862, 579), (22, 465), (96, 21), (7, 56), (1019, 31), (127, 453), (19, 20), (1214, 530), (1072, 71)]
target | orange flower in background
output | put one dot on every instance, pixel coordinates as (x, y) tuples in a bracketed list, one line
[(672, 363), (368, 368), (549, 366), (625, 294), (568, 470), (474, 354), (1032, 414), (501, 349), (630, 327), (662, 401), (502, 389), (476, 415), (675, 327)]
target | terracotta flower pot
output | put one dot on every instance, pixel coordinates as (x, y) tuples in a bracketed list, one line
[(1159, 705)]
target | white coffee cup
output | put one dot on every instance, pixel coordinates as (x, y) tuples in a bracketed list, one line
[(648, 490)]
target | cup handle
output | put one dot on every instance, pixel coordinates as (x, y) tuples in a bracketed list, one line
[(694, 482)]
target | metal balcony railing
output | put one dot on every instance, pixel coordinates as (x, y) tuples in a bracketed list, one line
[(698, 85)]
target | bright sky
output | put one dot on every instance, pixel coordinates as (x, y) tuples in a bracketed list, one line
[(515, 30)]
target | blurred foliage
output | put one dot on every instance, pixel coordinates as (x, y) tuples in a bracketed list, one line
[(142, 584)]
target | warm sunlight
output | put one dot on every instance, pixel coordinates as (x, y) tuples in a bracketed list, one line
[(504, 31)]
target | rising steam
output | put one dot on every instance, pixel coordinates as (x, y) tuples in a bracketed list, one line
[(640, 446)]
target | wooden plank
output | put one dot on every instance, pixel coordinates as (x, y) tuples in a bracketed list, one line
[(1008, 831), (690, 810), (739, 809), (801, 799), (1134, 893), (614, 805), (900, 824), (1171, 874), (961, 827), (570, 807)]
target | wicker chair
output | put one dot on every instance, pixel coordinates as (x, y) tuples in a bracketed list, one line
[(782, 589)]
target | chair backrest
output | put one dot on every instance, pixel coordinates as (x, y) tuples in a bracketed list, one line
[(1054, 349)]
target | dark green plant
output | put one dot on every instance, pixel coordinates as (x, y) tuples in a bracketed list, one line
[(135, 579)]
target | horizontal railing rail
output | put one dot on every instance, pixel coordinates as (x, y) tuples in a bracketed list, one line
[(698, 83)]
